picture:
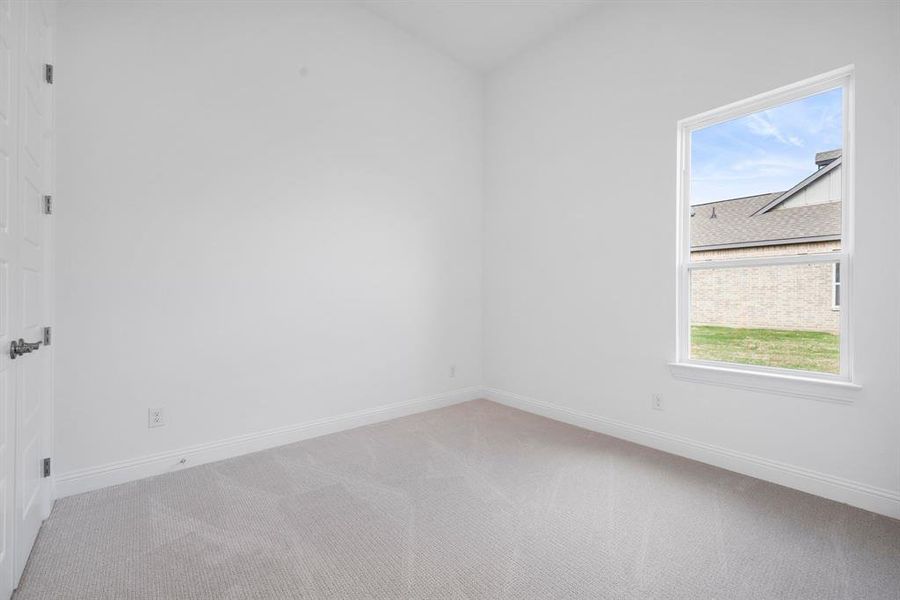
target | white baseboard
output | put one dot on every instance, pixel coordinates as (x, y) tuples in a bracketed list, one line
[(878, 500), (85, 480)]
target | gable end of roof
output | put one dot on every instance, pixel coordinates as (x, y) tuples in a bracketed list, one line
[(803, 184)]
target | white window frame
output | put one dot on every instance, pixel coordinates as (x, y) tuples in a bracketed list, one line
[(779, 380)]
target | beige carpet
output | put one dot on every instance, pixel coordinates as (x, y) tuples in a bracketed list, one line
[(472, 501)]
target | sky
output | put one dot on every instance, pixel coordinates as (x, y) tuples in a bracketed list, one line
[(767, 151)]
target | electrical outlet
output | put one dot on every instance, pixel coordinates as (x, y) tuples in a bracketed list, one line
[(452, 371), (155, 417), (656, 402)]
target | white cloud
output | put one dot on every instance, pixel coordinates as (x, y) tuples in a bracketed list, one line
[(771, 165), (760, 124), (745, 169)]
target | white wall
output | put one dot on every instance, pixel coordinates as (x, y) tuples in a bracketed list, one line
[(580, 229), (272, 213), (266, 214)]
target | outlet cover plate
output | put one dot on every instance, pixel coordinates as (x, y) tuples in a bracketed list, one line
[(155, 417)]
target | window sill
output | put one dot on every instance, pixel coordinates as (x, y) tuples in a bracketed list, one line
[(827, 390)]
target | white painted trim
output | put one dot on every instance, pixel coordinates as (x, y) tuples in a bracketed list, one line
[(49, 493), (878, 500), (781, 381), (85, 480), (831, 256), (788, 93)]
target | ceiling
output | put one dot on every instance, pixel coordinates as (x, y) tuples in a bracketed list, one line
[(481, 34)]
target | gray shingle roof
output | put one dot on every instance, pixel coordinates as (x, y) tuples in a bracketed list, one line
[(735, 227), (824, 158)]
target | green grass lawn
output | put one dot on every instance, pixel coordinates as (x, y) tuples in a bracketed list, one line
[(807, 350)]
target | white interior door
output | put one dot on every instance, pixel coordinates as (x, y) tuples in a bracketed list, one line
[(25, 178), (30, 280), (8, 171)]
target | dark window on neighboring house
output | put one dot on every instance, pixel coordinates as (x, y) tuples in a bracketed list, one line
[(837, 286)]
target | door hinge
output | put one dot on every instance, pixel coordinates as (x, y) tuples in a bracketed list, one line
[(48, 205), (47, 336), (48, 73), (46, 467)]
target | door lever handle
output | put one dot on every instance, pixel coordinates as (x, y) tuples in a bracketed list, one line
[(20, 347)]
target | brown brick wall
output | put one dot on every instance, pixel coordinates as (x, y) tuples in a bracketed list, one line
[(771, 297)]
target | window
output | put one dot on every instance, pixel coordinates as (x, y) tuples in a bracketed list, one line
[(764, 244), (836, 284)]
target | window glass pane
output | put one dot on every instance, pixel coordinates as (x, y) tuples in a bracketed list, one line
[(769, 183), (775, 316)]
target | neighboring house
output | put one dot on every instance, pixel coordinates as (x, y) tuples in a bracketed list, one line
[(803, 220)]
